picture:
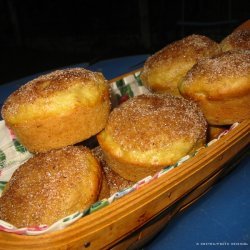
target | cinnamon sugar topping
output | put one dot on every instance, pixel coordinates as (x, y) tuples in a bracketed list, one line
[(190, 48), (239, 39), (155, 121), (49, 84), (228, 64)]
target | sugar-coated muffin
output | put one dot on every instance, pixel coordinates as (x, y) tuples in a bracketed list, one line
[(166, 68), (51, 186), (221, 87), (58, 109), (149, 132)]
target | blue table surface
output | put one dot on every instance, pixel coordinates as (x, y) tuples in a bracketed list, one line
[(218, 220)]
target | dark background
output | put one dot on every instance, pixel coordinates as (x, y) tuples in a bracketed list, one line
[(40, 35)]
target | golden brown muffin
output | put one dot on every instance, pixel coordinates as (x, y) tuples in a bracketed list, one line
[(58, 109), (50, 186), (239, 39), (113, 181), (149, 132), (221, 87), (165, 69)]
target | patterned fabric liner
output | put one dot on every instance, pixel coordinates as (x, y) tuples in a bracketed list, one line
[(13, 154)]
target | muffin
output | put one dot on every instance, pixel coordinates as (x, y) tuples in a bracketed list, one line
[(166, 68), (51, 186), (221, 87), (58, 109), (149, 132)]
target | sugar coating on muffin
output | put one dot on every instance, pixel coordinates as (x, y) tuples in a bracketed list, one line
[(239, 39)]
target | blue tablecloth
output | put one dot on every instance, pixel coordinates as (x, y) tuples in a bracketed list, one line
[(219, 220)]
